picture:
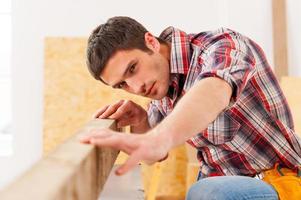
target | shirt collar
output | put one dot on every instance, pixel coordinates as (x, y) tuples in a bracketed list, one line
[(180, 49)]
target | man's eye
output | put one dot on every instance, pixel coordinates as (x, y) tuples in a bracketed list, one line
[(121, 85), (131, 70)]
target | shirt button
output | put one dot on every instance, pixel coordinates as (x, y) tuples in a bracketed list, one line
[(211, 150)]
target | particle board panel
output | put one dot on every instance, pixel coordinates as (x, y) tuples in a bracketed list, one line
[(71, 96)]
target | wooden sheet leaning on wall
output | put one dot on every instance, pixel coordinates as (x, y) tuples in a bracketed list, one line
[(71, 95), (291, 87)]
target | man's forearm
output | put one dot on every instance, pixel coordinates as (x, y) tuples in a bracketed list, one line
[(195, 111)]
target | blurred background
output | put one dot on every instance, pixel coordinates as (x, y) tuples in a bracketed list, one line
[(45, 89)]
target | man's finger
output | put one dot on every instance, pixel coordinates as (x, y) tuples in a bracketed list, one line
[(117, 141), (112, 109), (85, 138), (122, 110), (129, 164), (99, 112), (112, 141), (96, 133)]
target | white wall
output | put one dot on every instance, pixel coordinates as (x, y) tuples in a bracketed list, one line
[(294, 37), (33, 20)]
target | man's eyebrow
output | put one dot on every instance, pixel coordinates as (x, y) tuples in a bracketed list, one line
[(129, 65)]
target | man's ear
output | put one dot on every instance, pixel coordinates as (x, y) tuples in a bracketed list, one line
[(151, 42)]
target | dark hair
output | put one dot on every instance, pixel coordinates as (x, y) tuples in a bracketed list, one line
[(118, 33)]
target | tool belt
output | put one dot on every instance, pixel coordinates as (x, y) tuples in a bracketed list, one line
[(286, 182)]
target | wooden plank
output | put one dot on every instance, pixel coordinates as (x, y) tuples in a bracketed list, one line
[(126, 187), (72, 171), (291, 88), (193, 166), (280, 38)]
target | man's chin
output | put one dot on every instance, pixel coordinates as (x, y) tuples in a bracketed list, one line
[(159, 96)]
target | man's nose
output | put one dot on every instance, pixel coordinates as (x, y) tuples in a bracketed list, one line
[(137, 86)]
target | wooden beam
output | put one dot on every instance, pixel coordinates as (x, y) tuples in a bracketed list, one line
[(291, 89), (72, 171), (280, 38)]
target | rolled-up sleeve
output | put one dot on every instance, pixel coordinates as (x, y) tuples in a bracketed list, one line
[(154, 115), (231, 60)]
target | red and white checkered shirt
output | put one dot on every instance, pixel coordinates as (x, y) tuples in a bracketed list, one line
[(256, 130)]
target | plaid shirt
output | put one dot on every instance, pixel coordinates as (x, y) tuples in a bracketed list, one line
[(256, 130)]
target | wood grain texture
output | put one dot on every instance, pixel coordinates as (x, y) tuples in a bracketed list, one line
[(291, 87), (280, 38), (71, 95), (73, 171)]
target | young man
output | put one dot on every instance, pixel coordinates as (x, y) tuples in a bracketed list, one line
[(214, 90)]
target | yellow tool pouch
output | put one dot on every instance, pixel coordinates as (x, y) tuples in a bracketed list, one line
[(286, 182)]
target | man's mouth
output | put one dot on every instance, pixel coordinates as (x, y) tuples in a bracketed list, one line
[(150, 89)]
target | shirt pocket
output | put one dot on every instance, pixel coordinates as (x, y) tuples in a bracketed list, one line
[(222, 129)]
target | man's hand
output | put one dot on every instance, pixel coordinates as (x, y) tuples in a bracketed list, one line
[(125, 112), (149, 148), (196, 109)]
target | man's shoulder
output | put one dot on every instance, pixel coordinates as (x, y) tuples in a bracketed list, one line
[(213, 36)]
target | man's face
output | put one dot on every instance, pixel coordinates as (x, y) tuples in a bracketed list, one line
[(138, 72)]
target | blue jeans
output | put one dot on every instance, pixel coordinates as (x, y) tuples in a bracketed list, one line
[(231, 188)]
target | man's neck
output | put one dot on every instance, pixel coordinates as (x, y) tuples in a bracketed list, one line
[(165, 50)]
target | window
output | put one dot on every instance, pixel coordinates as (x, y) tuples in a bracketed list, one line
[(5, 79)]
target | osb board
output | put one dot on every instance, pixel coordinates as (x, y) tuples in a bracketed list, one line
[(71, 96), (292, 90)]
